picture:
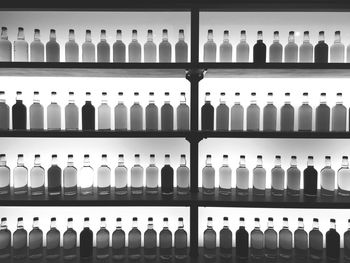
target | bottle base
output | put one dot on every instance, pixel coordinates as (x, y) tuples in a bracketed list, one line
[(104, 191), (258, 192), (277, 192), (136, 190), (208, 191), (225, 191), (242, 192), (342, 192), (151, 190), (327, 193), (293, 193)]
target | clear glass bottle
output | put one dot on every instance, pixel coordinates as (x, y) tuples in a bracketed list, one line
[(71, 114), (337, 50), (225, 240), (253, 115), (102, 240), (165, 241), (35, 249), (270, 114), (104, 177), (19, 247), (69, 241), (242, 49), (180, 241), (306, 50), (237, 114), (207, 114), (301, 248), (71, 48), (136, 115), (291, 49), (37, 177), (315, 242), (259, 178), (310, 178), (343, 178), (332, 243), (136, 174), (226, 48), (293, 178), (121, 114), (167, 177), (322, 115), (151, 114), (181, 48), (121, 177), (285, 241), (321, 49), (37, 48), (19, 113), (277, 178), (54, 178), (52, 48), (86, 177), (242, 240), (183, 114), (134, 241), (88, 114), (86, 241), (346, 239), (150, 49), (152, 175), (210, 48), (208, 177), (4, 110), (222, 114), (6, 46), (118, 242), (167, 114), (20, 177), (257, 242), (287, 115), (20, 47), (70, 178), (150, 241), (134, 49), (209, 240), (225, 177), (104, 114), (305, 114), (165, 48), (5, 237), (88, 49), (53, 239), (5, 176), (119, 49), (54, 114), (242, 178), (339, 113), (183, 177), (327, 178), (270, 235), (103, 49), (348, 54), (275, 49), (259, 49), (36, 113)]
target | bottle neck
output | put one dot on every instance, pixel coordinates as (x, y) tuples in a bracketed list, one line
[(257, 224), (323, 99), (315, 225), (152, 160), (242, 162), (276, 37), (3, 225), (137, 160), (20, 35), (310, 162), (4, 35), (20, 161), (36, 98), (222, 99), (293, 162), (270, 224), (241, 224), (183, 99), (103, 36), (165, 36), (86, 223), (37, 161), (36, 36), (2, 160), (121, 161), (165, 224), (337, 38), (183, 160), (53, 224), (300, 224), (134, 224), (226, 37), (332, 225), (52, 35), (19, 97), (86, 161), (150, 36), (291, 38), (210, 224), (119, 225), (328, 162), (208, 161), (181, 36), (104, 161), (278, 162), (305, 99), (260, 37), (285, 224), (70, 225), (243, 37), (345, 163), (167, 160), (71, 98), (180, 224), (70, 161), (210, 36), (103, 224), (321, 37), (207, 98), (54, 160), (119, 36), (134, 36), (71, 36), (88, 37), (36, 224), (20, 224), (259, 162), (53, 99), (306, 38), (225, 161), (150, 225)]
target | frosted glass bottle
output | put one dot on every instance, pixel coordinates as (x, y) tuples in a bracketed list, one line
[(300, 242), (20, 241), (165, 241), (276, 49), (20, 47), (136, 115), (322, 115), (210, 48), (180, 241), (242, 49), (237, 114), (151, 114), (293, 178), (315, 242), (53, 239), (337, 50), (285, 241), (120, 114), (104, 177), (305, 115), (306, 50), (134, 49), (134, 241), (4, 112), (257, 242), (5, 237), (35, 250), (222, 114), (86, 177), (37, 48), (277, 178), (242, 241), (69, 241), (270, 236), (209, 240), (165, 48), (119, 49), (121, 177), (339, 113), (225, 177), (183, 114), (242, 178), (183, 177), (136, 177), (226, 48), (104, 114), (71, 114), (5, 46), (225, 240), (103, 49), (259, 178), (71, 48), (167, 114), (327, 178), (53, 114), (269, 115), (208, 177), (52, 48), (118, 241), (20, 177), (88, 49), (36, 113), (152, 175), (70, 178), (344, 178), (150, 49), (253, 115), (102, 241), (5, 175), (291, 49), (37, 177), (287, 115), (181, 48), (150, 241)]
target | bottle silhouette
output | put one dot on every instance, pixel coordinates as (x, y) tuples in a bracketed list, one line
[(4, 112), (165, 241), (327, 178), (71, 48), (208, 177), (86, 177), (35, 250), (121, 177), (5, 237), (19, 249), (339, 115), (225, 240), (88, 114), (20, 177), (119, 49), (322, 115), (222, 114), (121, 114), (180, 241), (259, 50), (71, 114), (167, 114), (165, 48), (237, 114), (242, 49), (270, 114), (209, 240), (167, 177), (54, 178), (150, 241), (5, 175), (305, 115), (104, 177), (275, 49), (181, 48), (136, 115), (287, 115), (337, 50), (257, 242), (291, 49), (88, 49), (52, 48), (183, 177), (102, 240), (5, 46), (36, 113), (69, 241), (242, 239), (20, 47), (226, 48), (37, 177), (300, 242), (270, 236), (136, 177), (152, 172), (209, 48), (332, 243), (104, 114), (225, 177), (306, 50), (86, 238), (310, 178), (348, 53), (134, 238), (19, 113), (53, 249), (53, 114), (277, 178), (242, 178), (346, 239), (134, 49), (285, 241), (150, 49), (293, 178), (37, 48), (118, 241), (70, 178), (259, 178), (183, 114), (344, 178), (321, 49), (253, 115), (103, 49), (207, 112)]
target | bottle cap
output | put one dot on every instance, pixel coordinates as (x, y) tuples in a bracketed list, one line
[(86, 219), (167, 155), (210, 219), (134, 219), (237, 94), (207, 93), (165, 30), (225, 156), (36, 218), (181, 219), (119, 31), (71, 93), (287, 94), (86, 156), (253, 94), (134, 31), (181, 31), (104, 155), (54, 156), (241, 219), (210, 31), (256, 219), (166, 93), (20, 155), (270, 94), (225, 218), (243, 31), (152, 155), (103, 31), (121, 155), (285, 219), (70, 219), (323, 94), (242, 156), (119, 219), (53, 219), (19, 92), (37, 155), (300, 219), (20, 219), (291, 32), (208, 155), (103, 219), (222, 93), (305, 94), (136, 93), (151, 93), (339, 94), (333, 220), (183, 155), (315, 219), (104, 93), (70, 155), (120, 93), (150, 219), (270, 219), (137, 155)]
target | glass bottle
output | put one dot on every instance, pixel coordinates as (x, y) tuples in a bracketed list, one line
[(222, 114), (165, 48), (53, 248), (86, 240), (165, 241), (226, 48), (257, 242), (4, 110), (339, 115), (322, 115), (5, 237), (86, 177), (167, 114), (37, 48), (225, 177), (121, 177), (347, 243), (306, 50), (88, 114), (134, 238), (183, 114), (210, 48), (310, 178), (348, 54), (183, 177), (136, 115), (5, 176), (300, 242), (134, 49), (237, 114), (344, 178), (181, 48), (315, 241), (285, 241), (242, 49), (209, 240), (119, 49), (225, 240), (151, 114), (69, 241), (208, 177), (20, 47), (121, 114), (35, 250), (19, 113), (270, 236), (70, 177), (152, 174), (276, 49), (242, 178), (103, 49), (327, 178), (118, 241), (287, 115), (150, 49), (253, 115), (53, 114), (37, 177), (259, 50), (259, 178), (136, 174), (337, 50), (321, 49), (242, 240), (36, 113), (71, 114), (277, 178), (104, 177), (102, 240), (71, 48), (88, 49), (6, 46), (167, 177), (180, 241), (293, 178), (305, 114), (270, 114), (20, 177), (207, 113), (291, 49), (104, 114), (150, 241), (52, 48), (19, 249), (54, 178), (332, 243)]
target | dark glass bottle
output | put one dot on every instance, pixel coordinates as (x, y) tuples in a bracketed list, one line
[(323, 113), (207, 112), (321, 49), (347, 243), (167, 177), (20, 238), (242, 238), (86, 237), (19, 114), (332, 243), (5, 240), (54, 178), (310, 178), (167, 114), (88, 114), (259, 50)]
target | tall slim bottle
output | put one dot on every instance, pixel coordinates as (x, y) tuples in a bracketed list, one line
[(237, 114), (103, 49), (270, 242), (167, 114), (337, 50), (165, 48), (259, 178), (5, 237), (306, 50), (37, 177), (119, 49), (332, 243), (165, 241), (327, 178), (305, 114), (285, 241), (222, 114), (259, 50), (86, 240), (277, 178), (242, 241), (71, 48), (300, 242), (104, 114), (53, 239), (150, 49), (207, 113), (136, 115), (5, 176), (226, 48), (225, 177), (120, 114), (102, 240), (134, 241), (69, 241), (315, 241), (134, 49), (293, 178), (208, 177), (118, 242), (181, 48), (121, 177), (53, 114), (104, 177), (183, 177), (257, 241), (344, 178), (20, 177), (6, 46), (19, 249), (54, 178), (20, 47), (225, 240), (88, 50), (150, 241), (4, 112), (310, 178), (339, 115), (71, 114), (291, 49), (270, 114), (86, 177), (180, 241), (346, 239), (36, 113), (242, 49), (35, 249), (276, 49), (321, 49), (242, 178), (70, 178), (209, 240), (152, 174), (287, 115), (37, 48), (151, 114), (19, 113), (183, 114), (167, 177), (88, 114), (210, 48), (52, 48), (136, 175), (253, 115), (322, 115)]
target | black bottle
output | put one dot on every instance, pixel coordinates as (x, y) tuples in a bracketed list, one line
[(259, 50), (321, 49), (54, 178), (167, 177), (310, 178), (207, 114), (86, 237), (242, 241), (332, 243), (19, 114), (88, 114)]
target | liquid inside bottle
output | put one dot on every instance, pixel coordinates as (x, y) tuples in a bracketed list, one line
[(167, 177), (339, 115), (310, 178), (86, 177), (306, 50), (225, 177), (54, 113), (226, 48), (327, 178), (225, 240), (150, 49), (19, 113), (183, 177), (71, 48), (88, 48), (102, 241), (152, 174), (5, 237), (315, 242), (53, 249), (37, 177), (222, 114), (36, 113), (70, 178), (118, 242), (20, 177), (270, 235), (257, 242), (180, 241), (52, 48), (323, 115), (121, 177), (121, 114), (165, 241), (151, 114), (209, 240), (134, 245), (237, 114), (321, 49), (276, 49), (305, 115), (37, 48), (20, 47), (208, 177), (344, 178), (150, 241), (136, 115), (5, 175), (54, 178), (70, 241), (332, 243), (337, 50), (119, 49), (71, 114), (293, 178), (242, 240), (277, 178), (86, 240), (291, 49), (285, 241), (4, 112), (259, 178), (183, 114), (253, 115), (103, 49), (5, 46), (259, 50), (88, 114), (210, 48), (242, 178), (167, 114), (207, 113), (242, 49), (35, 250), (181, 48), (300, 242), (287, 115), (270, 114), (104, 177), (19, 249), (104, 114), (134, 49), (165, 48), (347, 242), (137, 177)]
